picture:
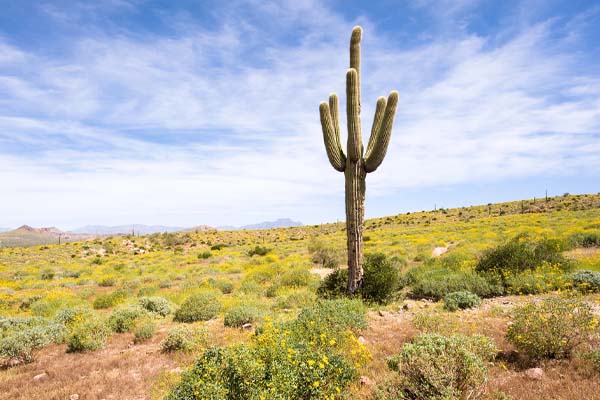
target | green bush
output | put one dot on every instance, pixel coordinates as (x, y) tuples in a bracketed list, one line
[(435, 283), (225, 286), (552, 328), (327, 315), (259, 251), (108, 300), (437, 367), (325, 256), (522, 254), (381, 280), (586, 281), (585, 239), (243, 314), (198, 307), (156, 305), (279, 363), (68, 316), (87, 334), (184, 338), (296, 277), (543, 279), (47, 274), (144, 329), (107, 282), (218, 246), (205, 254), (461, 300), (21, 345), (123, 319), (295, 299)]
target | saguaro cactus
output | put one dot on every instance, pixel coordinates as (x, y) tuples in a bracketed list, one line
[(357, 163)]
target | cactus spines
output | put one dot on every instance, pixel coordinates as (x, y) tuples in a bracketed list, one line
[(357, 163)]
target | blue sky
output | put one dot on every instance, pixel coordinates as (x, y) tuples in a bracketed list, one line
[(206, 112)]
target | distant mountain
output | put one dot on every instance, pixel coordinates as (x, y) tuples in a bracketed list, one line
[(28, 236), (279, 223), (126, 229)]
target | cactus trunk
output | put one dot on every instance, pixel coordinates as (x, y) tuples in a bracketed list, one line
[(355, 211), (357, 164)]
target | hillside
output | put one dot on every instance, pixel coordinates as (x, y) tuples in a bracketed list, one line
[(273, 274), (27, 236)]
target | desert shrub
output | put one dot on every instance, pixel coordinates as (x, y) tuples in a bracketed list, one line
[(325, 256), (87, 334), (543, 279), (331, 315), (250, 286), (144, 329), (461, 300), (47, 274), (295, 299), (205, 255), (552, 328), (586, 281), (107, 281), (225, 286), (243, 314), (123, 319), (165, 283), (21, 345), (68, 316), (146, 291), (108, 300), (156, 305), (259, 251), (272, 290), (334, 285), (585, 239), (522, 254), (296, 277), (198, 307), (437, 367), (279, 363), (435, 283), (184, 338), (380, 280)]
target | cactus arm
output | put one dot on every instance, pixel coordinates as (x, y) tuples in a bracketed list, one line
[(332, 145), (379, 112), (355, 55), (382, 140), (353, 113), (335, 117)]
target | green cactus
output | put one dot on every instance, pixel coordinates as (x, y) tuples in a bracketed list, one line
[(356, 165)]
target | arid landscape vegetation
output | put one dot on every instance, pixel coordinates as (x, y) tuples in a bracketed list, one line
[(154, 316)]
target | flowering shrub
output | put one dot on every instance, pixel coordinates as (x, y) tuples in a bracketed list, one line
[(281, 362), (87, 333), (123, 319), (144, 329), (184, 338), (586, 281), (553, 327), (243, 314), (437, 367)]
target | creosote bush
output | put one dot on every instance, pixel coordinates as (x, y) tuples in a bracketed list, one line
[(586, 281), (461, 300), (552, 328), (381, 280), (198, 307), (184, 338), (242, 314), (437, 367), (259, 251), (156, 305), (87, 333)]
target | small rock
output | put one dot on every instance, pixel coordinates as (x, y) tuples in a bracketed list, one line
[(74, 396), (365, 381), (362, 340), (381, 313), (534, 374), (247, 326), (407, 307), (40, 377)]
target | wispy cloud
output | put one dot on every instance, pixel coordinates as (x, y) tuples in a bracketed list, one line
[(220, 125)]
